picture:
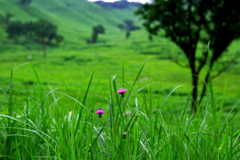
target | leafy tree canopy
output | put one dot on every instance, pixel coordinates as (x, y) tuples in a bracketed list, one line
[(15, 30), (41, 30), (44, 29), (96, 30), (130, 26), (189, 22), (99, 29)]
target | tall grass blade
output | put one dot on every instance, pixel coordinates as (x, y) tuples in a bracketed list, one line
[(83, 103)]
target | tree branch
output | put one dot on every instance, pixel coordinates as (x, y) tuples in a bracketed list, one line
[(202, 61), (231, 62), (227, 65), (176, 60)]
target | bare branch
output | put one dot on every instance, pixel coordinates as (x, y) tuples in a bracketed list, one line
[(227, 65), (176, 60), (202, 61)]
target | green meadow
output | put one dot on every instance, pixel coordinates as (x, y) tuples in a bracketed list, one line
[(48, 104), (69, 67)]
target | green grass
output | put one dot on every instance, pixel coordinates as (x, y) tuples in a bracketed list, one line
[(47, 129), (48, 105), (71, 65)]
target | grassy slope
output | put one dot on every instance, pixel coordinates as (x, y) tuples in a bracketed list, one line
[(73, 17)]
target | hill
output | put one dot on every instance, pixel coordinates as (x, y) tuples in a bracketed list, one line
[(74, 18), (123, 4)]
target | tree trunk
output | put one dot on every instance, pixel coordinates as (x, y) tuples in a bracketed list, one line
[(204, 87), (206, 80), (94, 37), (194, 92), (192, 58), (44, 47)]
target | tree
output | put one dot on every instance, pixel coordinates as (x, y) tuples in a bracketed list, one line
[(41, 31), (99, 29), (190, 22), (128, 33), (45, 30), (31, 28), (15, 30), (128, 26)]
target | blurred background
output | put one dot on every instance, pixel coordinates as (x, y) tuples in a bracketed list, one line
[(59, 43)]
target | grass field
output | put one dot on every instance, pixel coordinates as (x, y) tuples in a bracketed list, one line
[(72, 65), (50, 111), (48, 105)]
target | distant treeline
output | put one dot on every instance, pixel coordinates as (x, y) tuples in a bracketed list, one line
[(40, 31), (126, 27), (118, 4)]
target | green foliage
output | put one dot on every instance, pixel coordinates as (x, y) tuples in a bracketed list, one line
[(128, 26), (45, 30), (99, 29), (4, 20), (42, 31), (15, 30), (188, 23), (59, 39)]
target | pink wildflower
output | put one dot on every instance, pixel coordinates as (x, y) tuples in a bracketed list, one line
[(100, 112), (122, 91), (124, 135)]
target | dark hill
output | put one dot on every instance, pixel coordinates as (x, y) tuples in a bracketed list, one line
[(123, 4)]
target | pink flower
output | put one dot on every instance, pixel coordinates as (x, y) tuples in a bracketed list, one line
[(100, 112), (122, 91), (124, 135)]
